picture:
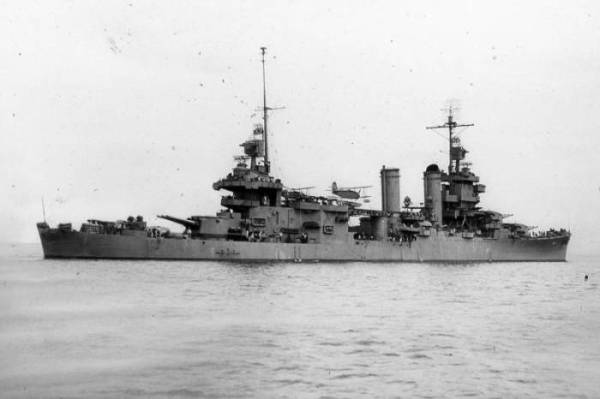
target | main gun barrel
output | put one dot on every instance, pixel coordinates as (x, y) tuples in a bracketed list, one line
[(191, 224)]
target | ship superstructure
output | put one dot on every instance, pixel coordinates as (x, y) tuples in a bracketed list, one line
[(263, 220)]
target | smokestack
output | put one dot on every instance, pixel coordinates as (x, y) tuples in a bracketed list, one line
[(390, 189), (432, 184)]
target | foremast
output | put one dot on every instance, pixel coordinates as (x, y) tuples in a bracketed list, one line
[(460, 188), (456, 152)]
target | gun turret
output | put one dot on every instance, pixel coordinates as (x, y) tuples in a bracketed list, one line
[(189, 224)]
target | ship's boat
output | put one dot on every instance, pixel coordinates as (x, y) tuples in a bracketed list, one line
[(261, 220)]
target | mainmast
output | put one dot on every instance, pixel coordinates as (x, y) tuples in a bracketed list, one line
[(451, 125), (265, 109)]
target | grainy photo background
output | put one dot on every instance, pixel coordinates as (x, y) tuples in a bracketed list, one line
[(117, 108)]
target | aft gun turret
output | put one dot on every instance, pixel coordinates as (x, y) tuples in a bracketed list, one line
[(188, 224)]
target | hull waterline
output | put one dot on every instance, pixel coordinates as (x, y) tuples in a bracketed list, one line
[(436, 248)]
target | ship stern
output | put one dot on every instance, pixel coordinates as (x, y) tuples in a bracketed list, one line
[(43, 229)]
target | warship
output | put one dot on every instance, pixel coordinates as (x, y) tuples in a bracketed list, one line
[(263, 220)]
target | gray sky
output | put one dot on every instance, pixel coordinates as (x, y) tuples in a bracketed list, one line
[(115, 108)]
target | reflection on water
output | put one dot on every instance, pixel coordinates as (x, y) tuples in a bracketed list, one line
[(196, 329)]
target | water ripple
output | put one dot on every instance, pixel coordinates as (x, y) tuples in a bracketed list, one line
[(201, 329)]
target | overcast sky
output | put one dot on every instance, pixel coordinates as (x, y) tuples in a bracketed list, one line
[(117, 108)]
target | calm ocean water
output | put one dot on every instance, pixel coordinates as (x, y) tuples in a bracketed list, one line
[(201, 329)]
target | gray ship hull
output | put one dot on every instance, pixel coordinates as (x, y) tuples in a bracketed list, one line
[(439, 247)]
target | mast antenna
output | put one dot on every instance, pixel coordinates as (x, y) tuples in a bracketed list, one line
[(267, 162), (451, 125)]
